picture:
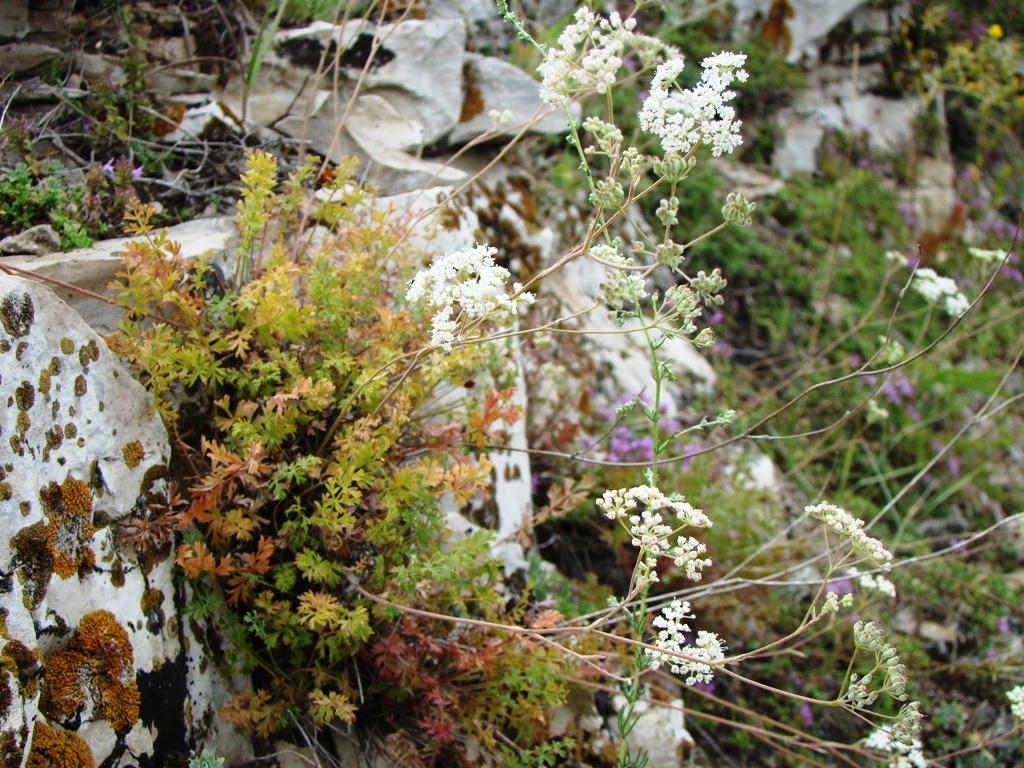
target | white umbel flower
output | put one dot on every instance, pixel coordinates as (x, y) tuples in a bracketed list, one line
[(682, 119), (706, 651), (469, 279), (935, 288)]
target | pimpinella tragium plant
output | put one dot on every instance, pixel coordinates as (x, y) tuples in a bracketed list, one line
[(312, 528)]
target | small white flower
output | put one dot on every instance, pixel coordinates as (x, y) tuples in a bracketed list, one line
[(499, 119), (604, 41), (878, 583), (987, 257), (901, 757), (1016, 698), (935, 288)]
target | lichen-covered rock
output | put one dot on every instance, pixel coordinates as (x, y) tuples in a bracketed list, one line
[(89, 626)]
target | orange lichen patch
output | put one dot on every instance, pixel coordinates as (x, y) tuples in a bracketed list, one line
[(17, 660), (67, 678), (57, 749), (69, 507), (472, 99), (6, 697), (98, 667), (33, 561), (133, 454)]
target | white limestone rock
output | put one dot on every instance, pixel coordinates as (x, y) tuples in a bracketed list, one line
[(94, 268), (494, 84), (82, 451)]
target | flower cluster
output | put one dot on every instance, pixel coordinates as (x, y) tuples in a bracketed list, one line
[(878, 583), (902, 756), (1016, 698), (652, 535), (589, 55), (469, 278), (845, 524), (687, 118), (935, 288), (833, 602), (671, 640)]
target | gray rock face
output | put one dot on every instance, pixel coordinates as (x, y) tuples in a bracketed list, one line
[(811, 22), (494, 84), (16, 58), (91, 634), (36, 241)]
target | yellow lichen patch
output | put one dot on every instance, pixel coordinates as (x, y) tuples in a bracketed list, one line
[(67, 346), (133, 454), (97, 667), (57, 749), (69, 507)]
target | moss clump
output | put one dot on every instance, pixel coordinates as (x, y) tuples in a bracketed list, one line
[(81, 387), (133, 454), (67, 346), (57, 749)]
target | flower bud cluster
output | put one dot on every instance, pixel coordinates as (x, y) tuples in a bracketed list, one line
[(709, 287), (833, 602), (869, 637), (469, 279), (845, 524), (671, 639), (619, 286), (738, 210)]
